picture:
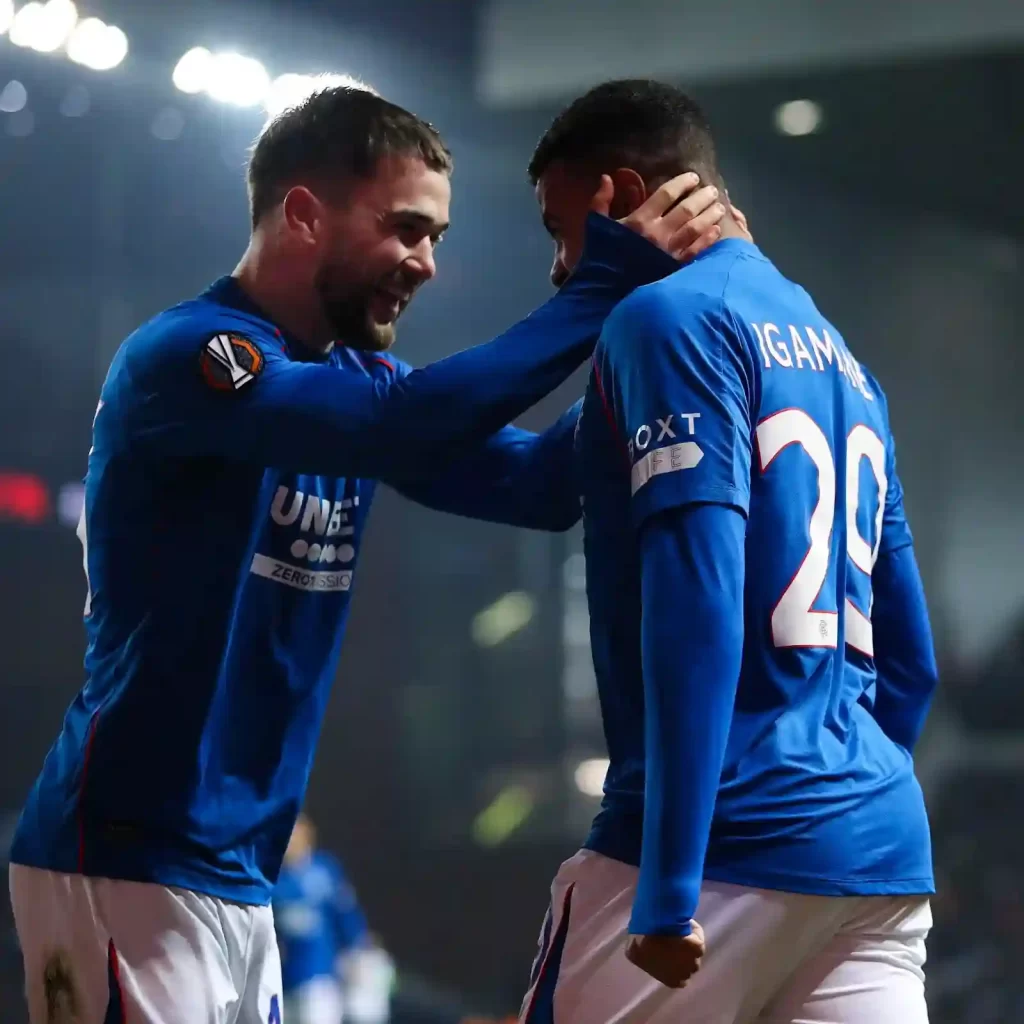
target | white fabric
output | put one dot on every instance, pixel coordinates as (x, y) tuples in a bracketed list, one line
[(771, 957), (181, 956), (369, 975), (318, 1001)]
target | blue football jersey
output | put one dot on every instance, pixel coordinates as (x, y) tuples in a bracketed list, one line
[(229, 482), (724, 385), (317, 918)]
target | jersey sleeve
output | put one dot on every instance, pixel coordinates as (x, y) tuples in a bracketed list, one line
[(904, 649), (895, 528), (895, 532), (514, 477), (205, 389), (676, 379), (692, 572)]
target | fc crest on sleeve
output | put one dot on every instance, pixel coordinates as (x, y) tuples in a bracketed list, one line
[(229, 362)]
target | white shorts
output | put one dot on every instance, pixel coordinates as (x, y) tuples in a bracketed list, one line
[(772, 957), (115, 952), (317, 1001)]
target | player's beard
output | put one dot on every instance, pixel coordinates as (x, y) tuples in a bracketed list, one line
[(352, 322), (348, 310)]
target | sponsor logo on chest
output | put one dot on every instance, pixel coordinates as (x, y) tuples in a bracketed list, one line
[(322, 554)]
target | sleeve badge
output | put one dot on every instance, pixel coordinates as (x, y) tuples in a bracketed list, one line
[(230, 362)]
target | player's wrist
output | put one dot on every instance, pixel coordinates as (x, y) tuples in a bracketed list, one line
[(609, 246), (644, 922)]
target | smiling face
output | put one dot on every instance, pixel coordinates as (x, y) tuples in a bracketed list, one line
[(378, 249), (350, 194)]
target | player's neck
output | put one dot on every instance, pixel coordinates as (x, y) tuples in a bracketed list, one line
[(730, 229), (297, 313)]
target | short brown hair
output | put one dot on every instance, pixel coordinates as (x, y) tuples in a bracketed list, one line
[(338, 132)]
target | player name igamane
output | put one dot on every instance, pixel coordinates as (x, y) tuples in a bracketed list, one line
[(813, 352)]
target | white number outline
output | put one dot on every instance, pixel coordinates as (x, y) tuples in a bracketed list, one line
[(863, 443), (794, 621)]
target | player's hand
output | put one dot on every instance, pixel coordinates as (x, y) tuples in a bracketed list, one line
[(670, 959), (680, 217)]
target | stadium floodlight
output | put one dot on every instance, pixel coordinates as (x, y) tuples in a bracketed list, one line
[(6, 15), (798, 117), (96, 45), (238, 80), (589, 776), (192, 72), (44, 27), (290, 90), (497, 622), (13, 97), (23, 26)]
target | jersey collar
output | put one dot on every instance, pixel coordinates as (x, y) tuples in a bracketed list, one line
[(228, 292)]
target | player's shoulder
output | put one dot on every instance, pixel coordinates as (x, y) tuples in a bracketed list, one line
[(698, 296), (379, 365), (227, 345), (880, 400), (661, 310)]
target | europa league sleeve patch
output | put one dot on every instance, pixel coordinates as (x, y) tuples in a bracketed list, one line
[(230, 362)]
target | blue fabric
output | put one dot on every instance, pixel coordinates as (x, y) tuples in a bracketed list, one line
[(228, 489), (542, 1006), (730, 445), (905, 651), (317, 918)]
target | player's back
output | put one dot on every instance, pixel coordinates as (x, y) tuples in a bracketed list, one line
[(813, 797), (806, 759)]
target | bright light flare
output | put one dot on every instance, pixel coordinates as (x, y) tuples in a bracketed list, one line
[(798, 117), (6, 15), (494, 624), (238, 80), (290, 90), (13, 97), (589, 775), (96, 45), (25, 25), (44, 27), (192, 72)]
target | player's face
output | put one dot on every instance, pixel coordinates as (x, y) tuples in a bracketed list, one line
[(380, 249), (565, 196)]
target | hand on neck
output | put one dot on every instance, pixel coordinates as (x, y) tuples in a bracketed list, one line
[(731, 228)]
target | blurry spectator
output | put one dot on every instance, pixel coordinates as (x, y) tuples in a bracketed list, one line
[(331, 968)]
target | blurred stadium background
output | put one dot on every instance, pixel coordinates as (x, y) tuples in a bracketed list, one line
[(877, 147)]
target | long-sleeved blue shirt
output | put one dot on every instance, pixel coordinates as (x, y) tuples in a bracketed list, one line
[(741, 506), (228, 487)]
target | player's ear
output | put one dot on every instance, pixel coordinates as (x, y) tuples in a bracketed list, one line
[(630, 192), (303, 213)]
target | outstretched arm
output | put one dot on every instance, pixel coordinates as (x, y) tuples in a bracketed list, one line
[(515, 477), (314, 419)]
